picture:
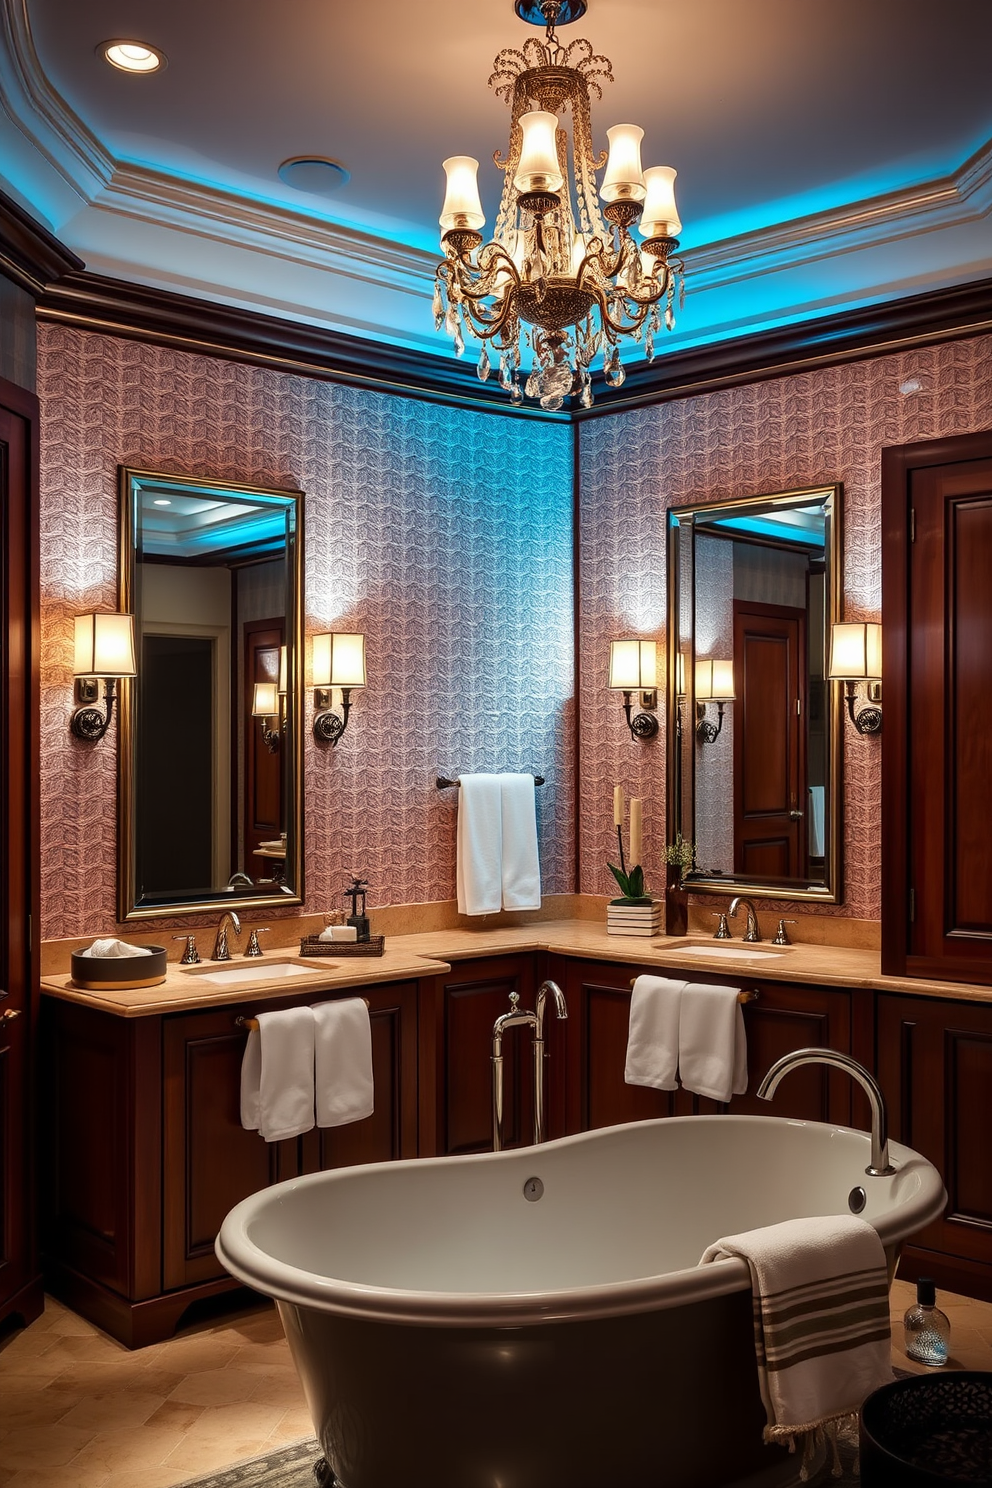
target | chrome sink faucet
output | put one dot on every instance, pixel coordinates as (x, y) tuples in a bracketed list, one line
[(879, 1167), (752, 934), (221, 952), (516, 1018)]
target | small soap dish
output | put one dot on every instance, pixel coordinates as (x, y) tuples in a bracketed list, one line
[(118, 973)]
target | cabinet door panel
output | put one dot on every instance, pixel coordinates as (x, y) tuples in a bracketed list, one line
[(472, 998), (391, 1130), (596, 1033), (784, 1018), (935, 1069), (210, 1162)]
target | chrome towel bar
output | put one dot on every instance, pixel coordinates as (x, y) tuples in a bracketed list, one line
[(443, 783)]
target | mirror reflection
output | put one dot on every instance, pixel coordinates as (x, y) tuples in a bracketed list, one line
[(210, 752), (755, 730)]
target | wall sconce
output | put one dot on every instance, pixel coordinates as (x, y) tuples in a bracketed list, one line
[(714, 683), (266, 704), (856, 656), (338, 661), (104, 647), (633, 668)]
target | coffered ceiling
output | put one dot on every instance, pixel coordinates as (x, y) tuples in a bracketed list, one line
[(831, 153)]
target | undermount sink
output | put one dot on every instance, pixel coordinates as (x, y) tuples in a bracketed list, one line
[(741, 950), (237, 973)]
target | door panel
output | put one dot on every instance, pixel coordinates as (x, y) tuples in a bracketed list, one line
[(769, 741)]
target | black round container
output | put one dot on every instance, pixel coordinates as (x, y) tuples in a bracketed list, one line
[(928, 1430), (118, 973)]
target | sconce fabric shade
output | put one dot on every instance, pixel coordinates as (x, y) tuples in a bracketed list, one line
[(855, 653), (104, 646), (715, 679), (265, 703), (338, 660), (633, 666)]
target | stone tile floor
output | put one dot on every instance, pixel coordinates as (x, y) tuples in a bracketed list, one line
[(78, 1408)]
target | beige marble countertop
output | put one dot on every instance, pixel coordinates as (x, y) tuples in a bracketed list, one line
[(433, 952)]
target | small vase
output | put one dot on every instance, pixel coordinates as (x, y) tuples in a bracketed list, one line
[(676, 902)]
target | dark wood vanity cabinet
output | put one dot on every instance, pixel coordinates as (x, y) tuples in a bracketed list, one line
[(935, 1070), (783, 1017), (146, 1151)]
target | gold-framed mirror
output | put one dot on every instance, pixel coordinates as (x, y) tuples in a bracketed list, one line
[(754, 726), (210, 810)]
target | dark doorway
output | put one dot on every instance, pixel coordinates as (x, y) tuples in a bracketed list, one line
[(175, 765)]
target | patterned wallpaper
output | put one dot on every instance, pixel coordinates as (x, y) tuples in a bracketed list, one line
[(444, 534), (795, 431)]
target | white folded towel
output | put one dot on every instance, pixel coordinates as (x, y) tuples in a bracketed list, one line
[(817, 802), (653, 1034), (821, 1318), (479, 847), (712, 1042), (110, 950), (277, 1075), (497, 857), (343, 1059), (521, 870), (338, 932)]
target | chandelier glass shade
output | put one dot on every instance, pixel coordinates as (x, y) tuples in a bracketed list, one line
[(562, 280)]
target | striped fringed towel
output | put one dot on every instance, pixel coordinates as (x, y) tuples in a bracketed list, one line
[(821, 1320)]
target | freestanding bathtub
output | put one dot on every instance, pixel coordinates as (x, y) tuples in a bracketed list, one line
[(537, 1318)]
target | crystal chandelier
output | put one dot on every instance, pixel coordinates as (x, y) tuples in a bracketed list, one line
[(555, 279)]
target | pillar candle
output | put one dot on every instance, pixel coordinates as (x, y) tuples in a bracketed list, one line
[(618, 805), (635, 831)]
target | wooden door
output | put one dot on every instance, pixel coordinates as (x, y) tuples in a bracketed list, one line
[(20, 1285), (770, 833), (937, 741)]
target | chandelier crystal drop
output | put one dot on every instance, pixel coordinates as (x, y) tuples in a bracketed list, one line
[(561, 281)]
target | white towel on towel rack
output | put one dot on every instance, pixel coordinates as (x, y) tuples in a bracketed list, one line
[(497, 857), (712, 1042), (653, 1034), (277, 1090), (521, 870), (343, 1084)]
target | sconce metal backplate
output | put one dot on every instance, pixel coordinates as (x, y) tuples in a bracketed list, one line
[(87, 690)]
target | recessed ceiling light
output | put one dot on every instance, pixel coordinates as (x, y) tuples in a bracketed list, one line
[(314, 173), (160, 501), (132, 56)]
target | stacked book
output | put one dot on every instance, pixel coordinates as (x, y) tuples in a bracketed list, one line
[(633, 917)]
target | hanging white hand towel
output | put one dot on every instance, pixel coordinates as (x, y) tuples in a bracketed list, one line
[(277, 1093), (712, 1042), (821, 1318), (342, 1062), (479, 846), (521, 869), (653, 1034)]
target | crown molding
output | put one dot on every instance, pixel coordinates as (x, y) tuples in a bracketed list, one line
[(208, 211), (945, 202), (119, 308), (853, 335), (29, 254), (139, 312), (41, 114)]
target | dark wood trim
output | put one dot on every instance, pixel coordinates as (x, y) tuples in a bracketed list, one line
[(29, 254), (141, 313), (852, 335), (136, 1324), (898, 463)]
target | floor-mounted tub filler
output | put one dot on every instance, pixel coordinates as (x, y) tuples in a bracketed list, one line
[(537, 1318)]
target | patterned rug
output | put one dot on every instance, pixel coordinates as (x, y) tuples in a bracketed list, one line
[(292, 1467)]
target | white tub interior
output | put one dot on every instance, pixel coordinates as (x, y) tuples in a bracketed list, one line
[(618, 1205)]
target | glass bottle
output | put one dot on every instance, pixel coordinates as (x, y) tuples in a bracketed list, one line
[(928, 1331)]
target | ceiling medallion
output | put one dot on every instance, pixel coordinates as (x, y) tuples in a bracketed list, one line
[(554, 277)]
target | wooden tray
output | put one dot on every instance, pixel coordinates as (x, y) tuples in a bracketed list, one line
[(311, 945)]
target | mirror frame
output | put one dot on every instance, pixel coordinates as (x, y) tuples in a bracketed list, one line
[(681, 803), (130, 481)]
